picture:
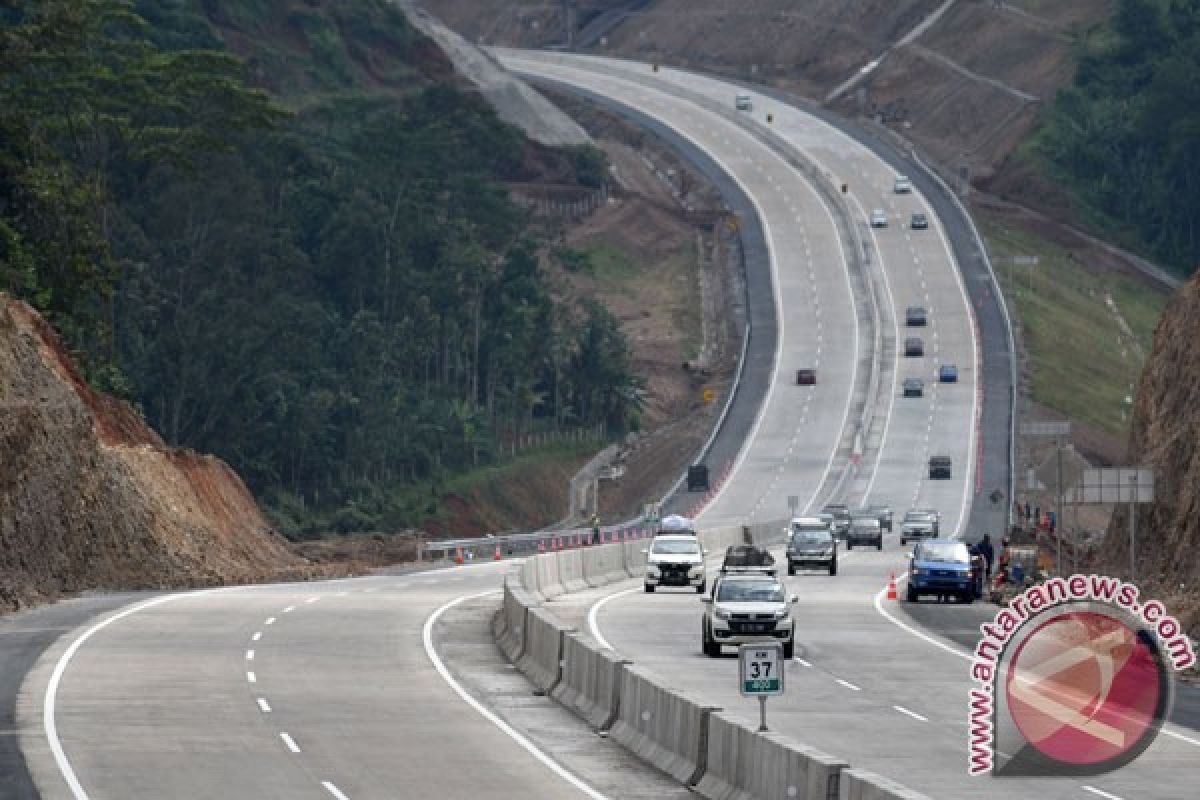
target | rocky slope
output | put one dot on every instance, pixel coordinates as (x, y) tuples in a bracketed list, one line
[(1164, 435), (92, 498)]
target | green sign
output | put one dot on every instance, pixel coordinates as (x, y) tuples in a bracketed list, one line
[(760, 668)]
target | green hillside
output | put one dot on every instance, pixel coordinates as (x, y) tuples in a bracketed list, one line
[(282, 230)]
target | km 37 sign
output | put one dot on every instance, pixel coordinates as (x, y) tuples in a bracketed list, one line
[(760, 669)]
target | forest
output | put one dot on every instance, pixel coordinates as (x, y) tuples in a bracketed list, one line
[(1125, 137), (281, 230)]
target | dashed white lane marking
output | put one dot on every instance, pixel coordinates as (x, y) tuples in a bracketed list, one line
[(290, 742), (801, 662), (264, 706), (312, 600), (1100, 792), (257, 635), (251, 677), (530, 747), (912, 714), (333, 790), (289, 609), (849, 685), (249, 655), (270, 621)]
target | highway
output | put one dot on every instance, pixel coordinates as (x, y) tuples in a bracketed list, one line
[(868, 684), (390, 686)]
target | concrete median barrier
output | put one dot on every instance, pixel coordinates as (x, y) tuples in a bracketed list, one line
[(570, 570), (542, 660), (662, 726), (635, 559), (529, 578), (546, 567), (510, 628), (858, 784), (742, 764), (591, 681), (604, 564)]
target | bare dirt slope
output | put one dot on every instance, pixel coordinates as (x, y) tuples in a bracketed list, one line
[(1164, 435), (92, 498)]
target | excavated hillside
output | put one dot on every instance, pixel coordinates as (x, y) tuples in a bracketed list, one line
[(964, 79), (1165, 435), (90, 498)]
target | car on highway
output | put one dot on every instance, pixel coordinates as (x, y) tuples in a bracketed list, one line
[(914, 347), (747, 607), (917, 525), (811, 544), (948, 373), (864, 530), (902, 185), (940, 468), (841, 518), (883, 512), (918, 221), (914, 387), (676, 523), (806, 377), (942, 567), (915, 317), (675, 559), (879, 218), (937, 518), (742, 102)]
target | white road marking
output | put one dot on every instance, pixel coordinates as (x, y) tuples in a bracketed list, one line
[(530, 747), (249, 655), (270, 621), (912, 714), (312, 600), (1100, 792), (289, 609), (251, 677), (593, 621), (257, 635), (849, 685), (264, 706), (801, 662), (333, 790), (290, 742)]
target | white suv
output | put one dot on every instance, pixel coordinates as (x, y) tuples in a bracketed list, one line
[(675, 559), (748, 607)]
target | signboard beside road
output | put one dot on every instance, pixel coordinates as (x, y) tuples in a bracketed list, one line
[(761, 674)]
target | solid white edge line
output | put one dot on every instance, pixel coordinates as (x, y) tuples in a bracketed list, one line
[(954, 651), (912, 714), (801, 662), (516, 736), (290, 742), (594, 623), (849, 685), (333, 790), (1100, 792)]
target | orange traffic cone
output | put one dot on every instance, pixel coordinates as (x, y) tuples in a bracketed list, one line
[(458, 556), (497, 556), (891, 595)]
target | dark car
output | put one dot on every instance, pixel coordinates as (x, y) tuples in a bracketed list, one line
[(948, 373), (942, 567), (841, 518), (918, 221), (812, 546), (914, 347), (915, 317), (914, 387), (806, 377), (865, 530), (939, 468)]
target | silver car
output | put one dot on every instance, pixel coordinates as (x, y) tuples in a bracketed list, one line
[(918, 525)]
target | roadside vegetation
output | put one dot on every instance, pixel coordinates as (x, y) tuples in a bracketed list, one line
[(1082, 364), (282, 230), (1125, 137)]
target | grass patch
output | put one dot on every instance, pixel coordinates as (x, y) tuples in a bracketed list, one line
[(1081, 363)]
